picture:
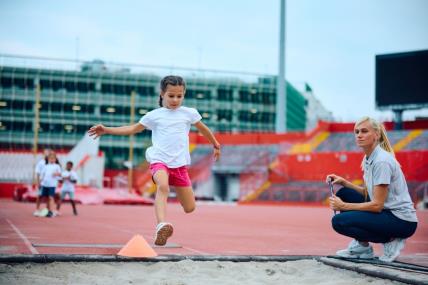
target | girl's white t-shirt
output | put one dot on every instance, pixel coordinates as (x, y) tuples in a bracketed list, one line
[(47, 177), (170, 135)]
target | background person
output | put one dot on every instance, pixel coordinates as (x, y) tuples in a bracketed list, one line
[(38, 170), (69, 179), (49, 177)]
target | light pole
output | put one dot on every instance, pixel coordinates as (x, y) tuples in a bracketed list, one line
[(281, 91)]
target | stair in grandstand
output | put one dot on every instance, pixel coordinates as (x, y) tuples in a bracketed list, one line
[(311, 144), (252, 185), (403, 142), (338, 142), (251, 162), (419, 142)]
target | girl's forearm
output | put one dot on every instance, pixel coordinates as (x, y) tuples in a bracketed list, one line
[(124, 130), (210, 137), (206, 132)]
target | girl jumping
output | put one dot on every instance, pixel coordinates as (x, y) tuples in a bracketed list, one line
[(169, 155)]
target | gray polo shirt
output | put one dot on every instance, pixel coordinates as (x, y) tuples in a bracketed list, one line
[(382, 168)]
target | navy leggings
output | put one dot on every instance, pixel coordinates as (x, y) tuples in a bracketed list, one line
[(369, 226)]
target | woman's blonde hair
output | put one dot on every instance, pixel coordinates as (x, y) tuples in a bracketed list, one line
[(384, 143)]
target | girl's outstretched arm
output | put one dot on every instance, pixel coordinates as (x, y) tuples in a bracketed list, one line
[(206, 132), (99, 130)]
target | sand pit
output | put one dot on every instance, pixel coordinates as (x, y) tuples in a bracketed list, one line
[(182, 272)]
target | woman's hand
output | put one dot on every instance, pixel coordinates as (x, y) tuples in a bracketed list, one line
[(335, 179), (336, 203), (97, 131)]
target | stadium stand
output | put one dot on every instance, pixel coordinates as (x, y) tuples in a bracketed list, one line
[(268, 167), (20, 165), (298, 174), (245, 158), (296, 191), (345, 141), (200, 153), (338, 141), (419, 143)]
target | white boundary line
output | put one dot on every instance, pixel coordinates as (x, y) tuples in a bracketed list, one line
[(23, 237), (194, 250)]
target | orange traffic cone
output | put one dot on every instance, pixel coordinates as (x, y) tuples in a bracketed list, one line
[(137, 247)]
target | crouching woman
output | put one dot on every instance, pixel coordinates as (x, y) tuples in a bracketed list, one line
[(379, 211)]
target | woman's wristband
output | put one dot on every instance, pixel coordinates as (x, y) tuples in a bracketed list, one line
[(216, 146)]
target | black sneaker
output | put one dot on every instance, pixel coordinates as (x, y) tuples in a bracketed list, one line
[(75, 213), (49, 214)]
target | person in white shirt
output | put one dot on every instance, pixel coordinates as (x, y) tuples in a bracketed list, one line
[(49, 177), (38, 170), (69, 179), (169, 155)]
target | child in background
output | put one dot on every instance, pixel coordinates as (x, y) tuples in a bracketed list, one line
[(38, 170), (69, 179), (169, 155), (49, 177)]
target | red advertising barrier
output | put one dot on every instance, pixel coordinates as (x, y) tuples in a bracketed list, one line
[(11, 189), (315, 166), (250, 138)]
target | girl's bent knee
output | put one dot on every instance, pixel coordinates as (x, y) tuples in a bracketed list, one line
[(337, 222), (163, 188), (342, 192)]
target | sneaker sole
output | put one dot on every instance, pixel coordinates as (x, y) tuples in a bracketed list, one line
[(163, 234), (359, 256), (387, 259)]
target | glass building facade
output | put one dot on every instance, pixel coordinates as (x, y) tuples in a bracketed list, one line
[(74, 96)]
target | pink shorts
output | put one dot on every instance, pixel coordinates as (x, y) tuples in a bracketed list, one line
[(177, 176)]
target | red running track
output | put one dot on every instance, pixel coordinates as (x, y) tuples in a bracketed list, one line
[(212, 229)]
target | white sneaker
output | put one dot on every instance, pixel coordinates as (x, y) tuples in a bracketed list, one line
[(163, 232), (36, 213), (356, 250), (43, 212), (391, 250)]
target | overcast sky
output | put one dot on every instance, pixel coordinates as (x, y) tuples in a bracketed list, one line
[(331, 44)]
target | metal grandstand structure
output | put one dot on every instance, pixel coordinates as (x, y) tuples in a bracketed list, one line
[(69, 96)]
